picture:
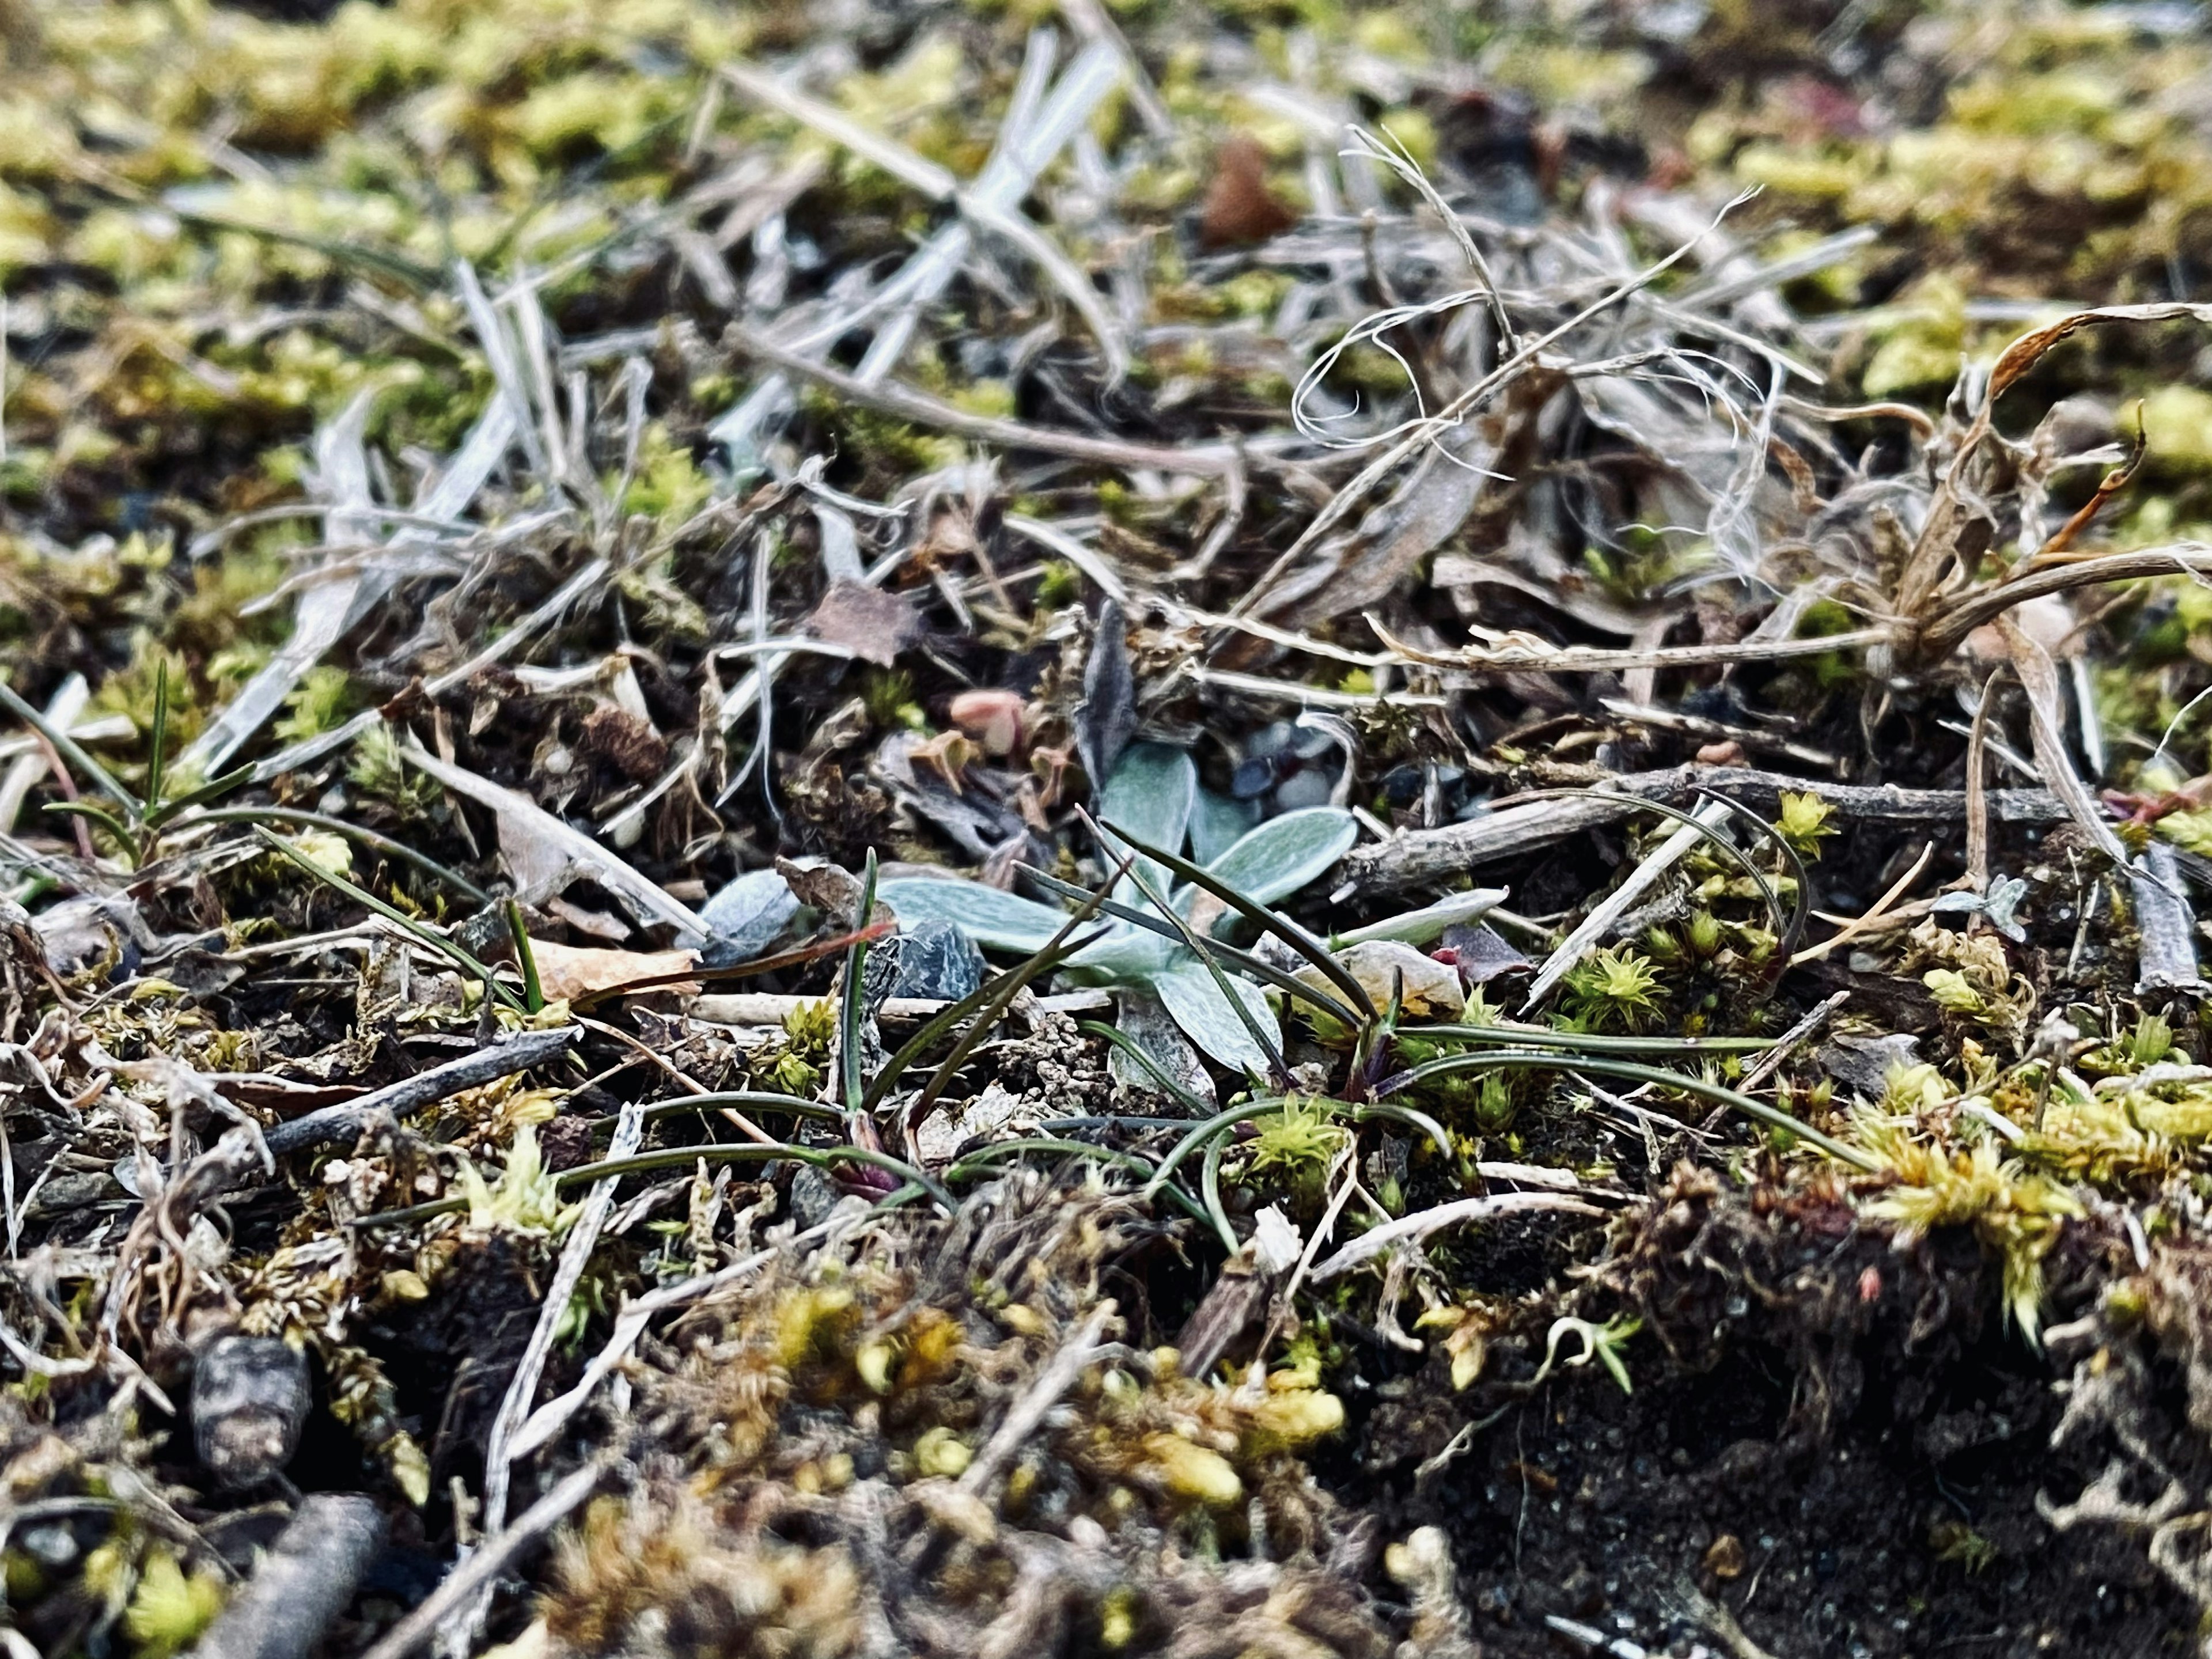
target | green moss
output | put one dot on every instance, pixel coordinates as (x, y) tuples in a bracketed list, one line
[(2177, 425)]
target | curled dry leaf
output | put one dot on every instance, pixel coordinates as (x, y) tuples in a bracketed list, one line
[(566, 972), (873, 625), (993, 719)]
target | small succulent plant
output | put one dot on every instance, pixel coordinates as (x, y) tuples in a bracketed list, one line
[(1154, 796)]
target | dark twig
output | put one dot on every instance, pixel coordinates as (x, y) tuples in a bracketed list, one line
[(518, 1053)]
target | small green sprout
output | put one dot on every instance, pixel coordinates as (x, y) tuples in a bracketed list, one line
[(525, 1198), (168, 1610), (1493, 1109), (888, 695), (375, 768), (1602, 1343), (2151, 1041), (1058, 584), (811, 1027), (1954, 993), (1955, 1543), (316, 705), (1804, 822), (791, 1073)]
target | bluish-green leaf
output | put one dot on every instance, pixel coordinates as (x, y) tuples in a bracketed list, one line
[(1140, 1016), (1284, 853), (1216, 822), (1426, 925), (1126, 956), (1002, 921), (1206, 1016), (1150, 795)]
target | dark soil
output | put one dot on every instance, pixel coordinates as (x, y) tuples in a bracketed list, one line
[(1846, 1456)]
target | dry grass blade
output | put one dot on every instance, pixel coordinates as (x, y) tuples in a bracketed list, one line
[(2039, 678), (1376, 1242), (1615, 904), (532, 823), (1201, 460)]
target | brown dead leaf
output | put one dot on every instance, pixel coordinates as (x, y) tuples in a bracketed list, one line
[(566, 972), (1239, 208), (629, 744), (875, 626)]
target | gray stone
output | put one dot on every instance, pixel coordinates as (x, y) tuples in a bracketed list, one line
[(1309, 785), (250, 1396), (745, 917), (1862, 1064), (938, 962)]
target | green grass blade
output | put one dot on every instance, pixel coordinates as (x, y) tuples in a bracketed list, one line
[(1268, 1044), (1129, 1046), (1506, 1060), (854, 1007), (1289, 984), (533, 992), (1003, 992), (982, 997), (1538, 1036), (157, 740), (373, 840)]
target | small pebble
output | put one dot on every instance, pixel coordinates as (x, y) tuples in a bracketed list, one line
[(250, 1399), (745, 917), (1270, 740), (1252, 778)]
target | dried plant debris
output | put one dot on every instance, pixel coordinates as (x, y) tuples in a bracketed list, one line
[(1266, 829)]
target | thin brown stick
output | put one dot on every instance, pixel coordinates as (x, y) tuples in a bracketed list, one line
[(1851, 930)]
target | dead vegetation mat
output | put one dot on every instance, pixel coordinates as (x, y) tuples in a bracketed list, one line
[(1092, 828)]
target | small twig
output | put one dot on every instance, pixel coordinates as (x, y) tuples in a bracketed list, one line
[(1770, 1061), (1615, 904), (491, 1557), (550, 1418), (1411, 1229), (1851, 930), (522, 1388), (1417, 858), (1065, 1370), (2166, 926), (1977, 792), (1203, 461), (302, 1583)]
